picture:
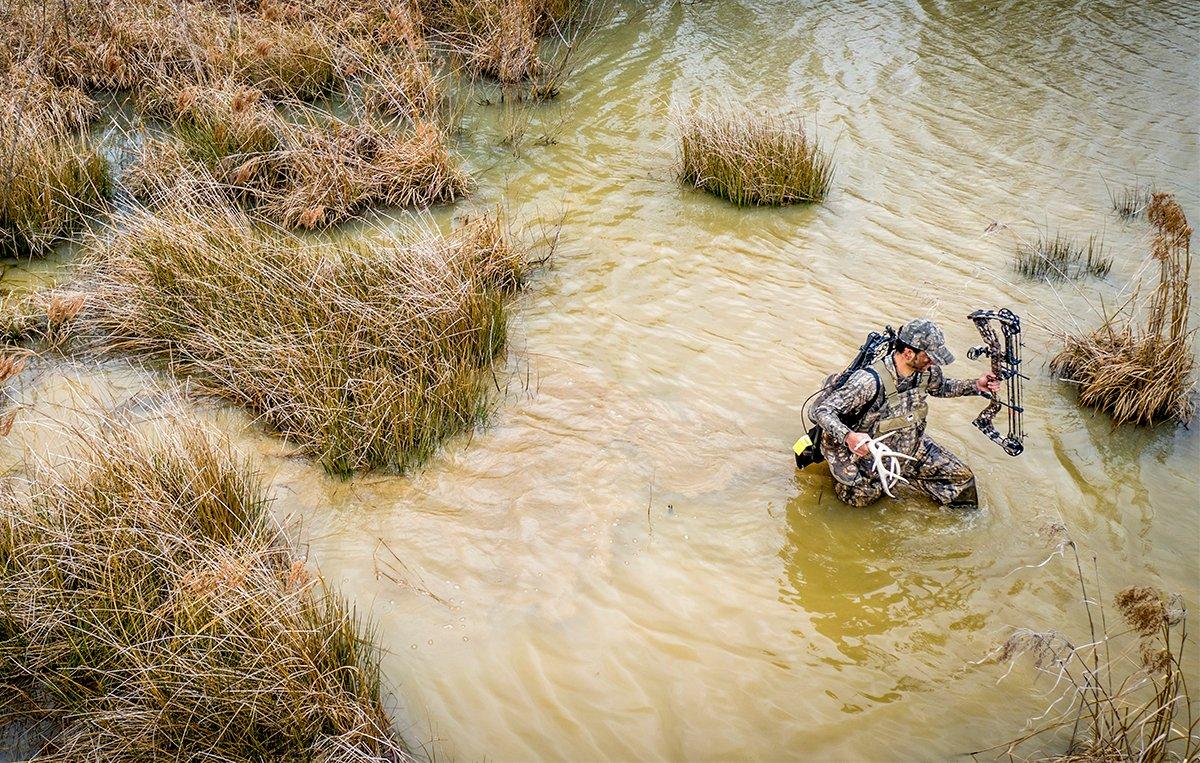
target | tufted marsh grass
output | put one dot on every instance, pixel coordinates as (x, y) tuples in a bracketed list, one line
[(1130, 202), (1060, 257), (151, 609), (52, 178), (367, 353), (752, 159)]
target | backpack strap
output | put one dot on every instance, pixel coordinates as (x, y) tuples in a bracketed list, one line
[(854, 420)]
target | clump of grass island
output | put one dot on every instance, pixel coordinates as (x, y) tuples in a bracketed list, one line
[(150, 609), (502, 39), (1060, 257), (1138, 364), (367, 354), (751, 159), (51, 178), (325, 173)]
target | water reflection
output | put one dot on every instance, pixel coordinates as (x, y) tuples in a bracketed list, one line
[(880, 581)]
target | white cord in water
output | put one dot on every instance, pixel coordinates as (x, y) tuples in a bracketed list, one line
[(889, 472)]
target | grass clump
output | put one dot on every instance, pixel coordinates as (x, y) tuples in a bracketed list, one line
[(51, 178), (215, 122), (527, 46), (311, 171), (753, 160), (366, 354), (1141, 371), (282, 59), (1060, 257), (151, 610), (325, 174), (1131, 201), (45, 316)]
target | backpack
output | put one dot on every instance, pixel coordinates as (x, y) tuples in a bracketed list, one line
[(808, 448)]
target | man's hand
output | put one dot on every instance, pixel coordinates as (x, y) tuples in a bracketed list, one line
[(857, 443), (988, 383)]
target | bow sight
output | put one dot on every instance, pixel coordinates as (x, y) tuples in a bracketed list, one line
[(1006, 365)]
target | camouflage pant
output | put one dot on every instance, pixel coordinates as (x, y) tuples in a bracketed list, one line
[(937, 473)]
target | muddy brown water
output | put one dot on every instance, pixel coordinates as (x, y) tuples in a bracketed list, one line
[(623, 564)]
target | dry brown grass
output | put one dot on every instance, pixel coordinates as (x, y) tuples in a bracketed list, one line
[(51, 178), (1142, 372), (311, 171), (45, 316), (752, 159), (127, 44), (366, 354), (151, 610), (504, 39)]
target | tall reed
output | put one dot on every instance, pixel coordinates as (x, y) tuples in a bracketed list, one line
[(1140, 369), (752, 159), (151, 610), (367, 354)]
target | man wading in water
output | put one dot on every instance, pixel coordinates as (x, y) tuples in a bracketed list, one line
[(888, 398)]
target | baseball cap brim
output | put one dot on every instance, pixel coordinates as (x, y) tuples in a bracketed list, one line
[(941, 355)]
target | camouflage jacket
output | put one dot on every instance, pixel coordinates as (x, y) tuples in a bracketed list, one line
[(860, 390)]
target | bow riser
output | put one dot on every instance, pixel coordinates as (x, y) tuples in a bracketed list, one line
[(1005, 362)]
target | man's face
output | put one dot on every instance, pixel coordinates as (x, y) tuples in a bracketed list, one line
[(921, 361)]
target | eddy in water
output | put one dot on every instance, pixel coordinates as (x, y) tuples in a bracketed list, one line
[(882, 397)]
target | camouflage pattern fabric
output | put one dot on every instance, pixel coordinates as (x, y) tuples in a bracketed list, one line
[(924, 334), (937, 472)]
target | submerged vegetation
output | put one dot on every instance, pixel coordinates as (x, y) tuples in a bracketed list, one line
[(367, 354), (151, 610), (1059, 257), (752, 159), (1139, 369)]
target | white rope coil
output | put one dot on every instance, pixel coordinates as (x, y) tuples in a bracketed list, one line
[(887, 463)]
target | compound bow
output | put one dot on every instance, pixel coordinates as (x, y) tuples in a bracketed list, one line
[(1006, 365)]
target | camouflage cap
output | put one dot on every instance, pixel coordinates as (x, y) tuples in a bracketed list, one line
[(924, 334)]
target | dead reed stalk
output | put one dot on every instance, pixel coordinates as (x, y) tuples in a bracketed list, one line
[(1142, 373), (1124, 694), (151, 610), (752, 159), (367, 354)]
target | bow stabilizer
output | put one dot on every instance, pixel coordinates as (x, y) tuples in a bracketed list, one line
[(1006, 365)]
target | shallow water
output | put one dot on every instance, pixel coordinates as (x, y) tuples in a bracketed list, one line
[(624, 564)]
